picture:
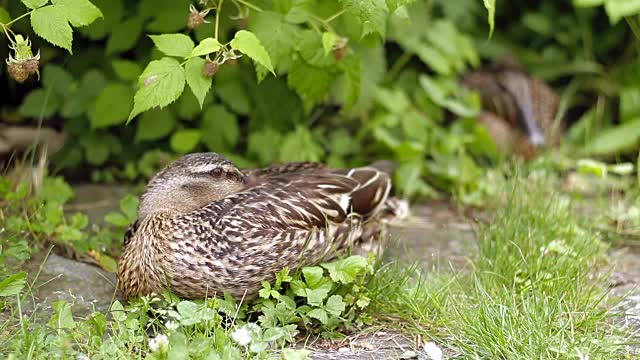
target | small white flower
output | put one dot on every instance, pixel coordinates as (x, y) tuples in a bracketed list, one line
[(433, 351), (159, 343), (242, 336), (171, 325)]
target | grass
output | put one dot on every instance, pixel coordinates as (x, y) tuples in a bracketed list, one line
[(536, 289)]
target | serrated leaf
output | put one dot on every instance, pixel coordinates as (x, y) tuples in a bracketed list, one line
[(247, 43), (161, 83), (34, 4), (155, 124), (126, 69), (50, 23), (179, 45), (276, 35), (310, 82), (319, 314), (206, 46), (371, 13), (299, 145), (112, 106), (346, 270), (198, 83), (185, 140), (329, 40), (79, 12), (13, 284), (220, 130), (335, 305)]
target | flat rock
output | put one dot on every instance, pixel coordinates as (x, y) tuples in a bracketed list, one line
[(87, 287)]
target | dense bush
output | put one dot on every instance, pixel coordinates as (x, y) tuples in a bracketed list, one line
[(338, 81)]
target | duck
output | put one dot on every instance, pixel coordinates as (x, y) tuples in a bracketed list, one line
[(519, 108), (206, 227)]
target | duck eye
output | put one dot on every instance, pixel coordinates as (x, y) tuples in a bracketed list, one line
[(216, 172)]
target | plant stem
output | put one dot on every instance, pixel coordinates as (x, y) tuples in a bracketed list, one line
[(334, 16), (218, 9), (18, 18), (250, 5)]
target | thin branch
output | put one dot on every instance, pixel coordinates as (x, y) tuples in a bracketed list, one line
[(218, 9)]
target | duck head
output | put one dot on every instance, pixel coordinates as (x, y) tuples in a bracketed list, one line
[(190, 183)]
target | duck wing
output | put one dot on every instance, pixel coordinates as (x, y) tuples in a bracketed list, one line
[(286, 168), (293, 220)]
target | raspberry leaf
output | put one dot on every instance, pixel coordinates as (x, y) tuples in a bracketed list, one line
[(161, 83), (247, 43), (179, 45)]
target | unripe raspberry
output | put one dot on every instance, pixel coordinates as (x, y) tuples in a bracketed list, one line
[(210, 68), (196, 18), (17, 72)]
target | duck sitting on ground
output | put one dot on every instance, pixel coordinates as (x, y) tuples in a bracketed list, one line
[(206, 227)]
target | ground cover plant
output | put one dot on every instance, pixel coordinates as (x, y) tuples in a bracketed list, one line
[(135, 84), (535, 290)]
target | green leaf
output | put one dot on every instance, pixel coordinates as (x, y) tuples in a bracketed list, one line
[(371, 13), (310, 82), (346, 270), (40, 103), (112, 10), (618, 9), (490, 5), (615, 140), (220, 129), (126, 69), (62, 317), (50, 23), (129, 206), (91, 85), (206, 46), (247, 43), (198, 83), (395, 4), (161, 83), (179, 45), (185, 140), (34, 4), (335, 305), (57, 79), (13, 284), (97, 148), (329, 40), (276, 35), (261, 145), (125, 35), (117, 219), (79, 12), (111, 106), (4, 15), (351, 80), (155, 124), (319, 314), (629, 103), (300, 146)]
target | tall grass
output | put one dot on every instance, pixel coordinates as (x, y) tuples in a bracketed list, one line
[(536, 290)]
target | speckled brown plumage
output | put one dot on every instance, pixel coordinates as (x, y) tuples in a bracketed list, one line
[(200, 239), (525, 105)]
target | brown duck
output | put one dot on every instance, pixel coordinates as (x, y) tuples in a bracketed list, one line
[(205, 226), (520, 109)]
